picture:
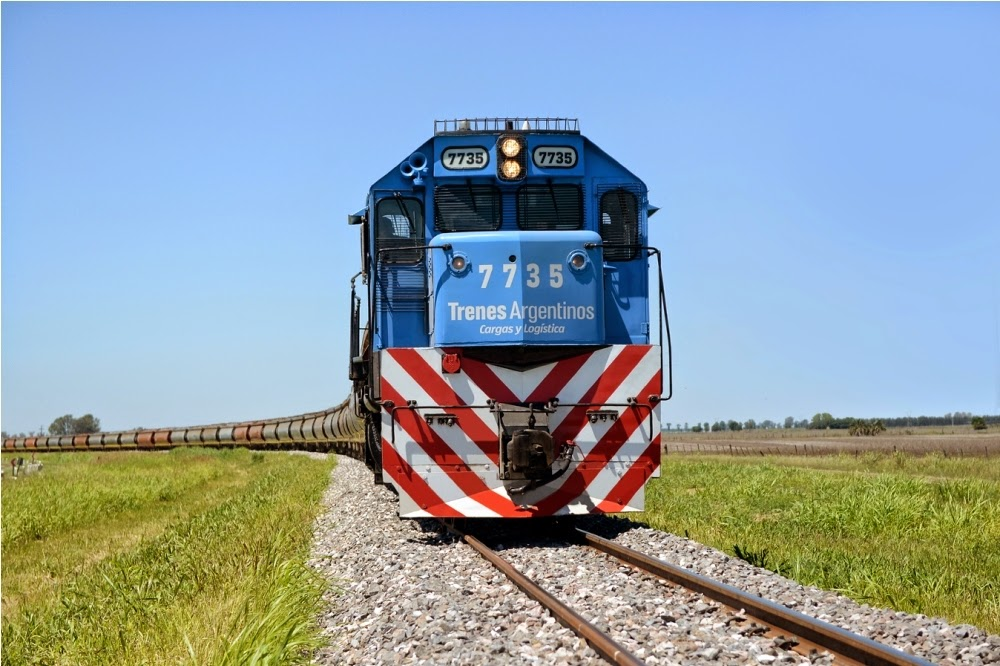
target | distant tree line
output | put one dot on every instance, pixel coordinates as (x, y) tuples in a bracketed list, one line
[(826, 421)]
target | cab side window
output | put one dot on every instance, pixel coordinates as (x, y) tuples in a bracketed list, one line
[(399, 223), (620, 225)]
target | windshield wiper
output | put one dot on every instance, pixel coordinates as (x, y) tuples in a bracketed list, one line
[(555, 204), (472, 196), (402, 209)]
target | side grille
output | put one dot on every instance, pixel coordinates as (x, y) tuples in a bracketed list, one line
[(401, 289)]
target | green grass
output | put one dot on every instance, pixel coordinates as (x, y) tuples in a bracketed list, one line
[(931, 466), (915, 534), (192, 556)]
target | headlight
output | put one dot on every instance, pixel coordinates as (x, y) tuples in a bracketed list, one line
[(510, 147), (511, 157), (577, 260), (511, 169)]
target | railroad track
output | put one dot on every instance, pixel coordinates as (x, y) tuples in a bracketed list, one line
[(796, 631)]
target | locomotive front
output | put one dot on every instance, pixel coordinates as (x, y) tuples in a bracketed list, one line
[(506, 367)]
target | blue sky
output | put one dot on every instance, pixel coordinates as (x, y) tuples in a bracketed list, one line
[(175, 180)]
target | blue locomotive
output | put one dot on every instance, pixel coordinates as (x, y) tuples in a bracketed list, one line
[(506, 365)]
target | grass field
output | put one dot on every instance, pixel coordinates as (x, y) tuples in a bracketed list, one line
[(918, 534), (809, 434), (946, 440), (190, 556)]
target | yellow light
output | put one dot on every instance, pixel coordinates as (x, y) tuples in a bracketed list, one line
[(511, 169), (510, 147)]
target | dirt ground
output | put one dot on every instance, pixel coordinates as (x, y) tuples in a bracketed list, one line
[(916, 441)]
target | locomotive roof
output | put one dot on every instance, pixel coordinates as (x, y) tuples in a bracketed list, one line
[(507, 124)]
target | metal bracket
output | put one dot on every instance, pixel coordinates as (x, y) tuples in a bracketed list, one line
[(596, 415), (441, 419)]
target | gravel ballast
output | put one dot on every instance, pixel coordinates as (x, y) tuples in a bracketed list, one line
[(403, 592)]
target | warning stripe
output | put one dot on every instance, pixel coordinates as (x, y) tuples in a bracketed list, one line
[(445, 458), (420, 371), (557, 378), (623, 428), (606, 449), (418, 430), (632, 482), (487, 380), (607, 383), (549, 387), (407, 480), (615, 369)]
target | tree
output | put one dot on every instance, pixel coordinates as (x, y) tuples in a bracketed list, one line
[(978, 423), (62, 425), (750, 424), (735, 425), (87, 424), (789, 422), (67, 425), (705, 426), (861, 427), (821, 421), (696, 428)]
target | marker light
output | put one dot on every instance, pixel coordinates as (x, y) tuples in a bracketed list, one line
[(458, 263), (577, 261), (511, 169), (510, 147)]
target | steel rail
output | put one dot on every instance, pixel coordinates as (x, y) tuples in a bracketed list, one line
[(601, 642), (853, 647)]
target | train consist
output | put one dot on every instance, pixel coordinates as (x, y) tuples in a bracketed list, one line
[(338, 429), (501, 350)]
